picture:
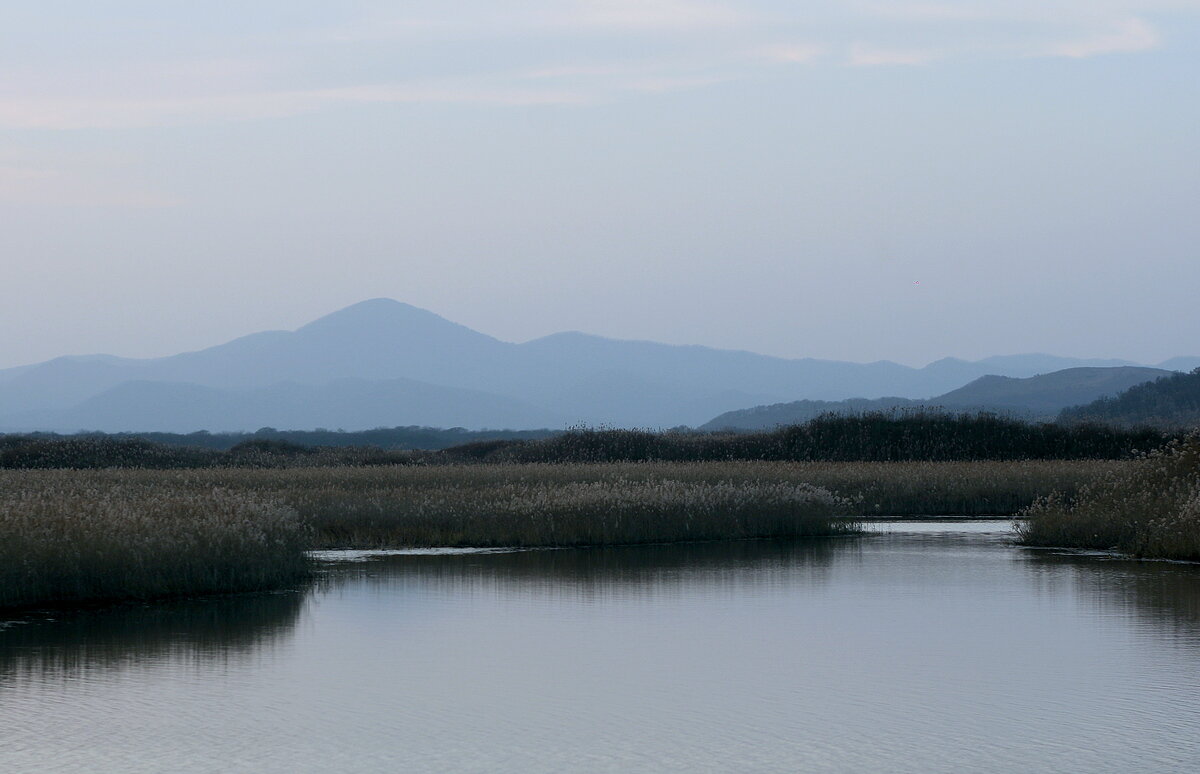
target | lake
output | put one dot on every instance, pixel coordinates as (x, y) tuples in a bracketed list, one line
[(922, 647)]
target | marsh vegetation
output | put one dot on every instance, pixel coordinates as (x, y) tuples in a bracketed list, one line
[(69, 537), (97, 518), (72, 535), (1148, 508), (543, 504)]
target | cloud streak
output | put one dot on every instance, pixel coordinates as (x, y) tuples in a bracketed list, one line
[(472, 53), (1121, 36), (867, 55), (656, 15), (66, 113)]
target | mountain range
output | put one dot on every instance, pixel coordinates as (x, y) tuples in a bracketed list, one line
[(1039, 397), (386, 363)]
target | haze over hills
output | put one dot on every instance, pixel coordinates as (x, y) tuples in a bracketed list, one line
[(342, 403), (385, 363), (1047, 394), (1035, 397), (1181, 364)]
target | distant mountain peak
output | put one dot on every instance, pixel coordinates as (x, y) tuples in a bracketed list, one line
[(376, 315), (374, 310)]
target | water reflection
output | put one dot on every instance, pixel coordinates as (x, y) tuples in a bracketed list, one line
[(935, 650), (1161, 595), (605, 573), (212, 631)]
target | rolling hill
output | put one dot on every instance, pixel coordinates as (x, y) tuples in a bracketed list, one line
[(1035, 397), (1169, 403), (1047, 394)]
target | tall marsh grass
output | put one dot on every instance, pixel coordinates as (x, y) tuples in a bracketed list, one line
[(1149, 508), (547, 504), (70, 537), (572, 513), (74, 535)]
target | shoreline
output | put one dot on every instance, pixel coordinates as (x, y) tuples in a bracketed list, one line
[(142, 534)]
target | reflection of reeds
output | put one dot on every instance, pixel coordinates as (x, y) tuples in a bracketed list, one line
[(213, 630), (70, 537), (1148, 508), (597, 572), (1165, 594)]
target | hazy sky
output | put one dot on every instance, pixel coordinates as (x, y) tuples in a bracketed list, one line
[(767, 175)]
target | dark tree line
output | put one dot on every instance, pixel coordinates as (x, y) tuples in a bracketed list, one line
[(1171, 403), (867, 437)]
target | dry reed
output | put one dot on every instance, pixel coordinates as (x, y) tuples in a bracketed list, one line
[(106, 534), (73, 538), (1149, 508)]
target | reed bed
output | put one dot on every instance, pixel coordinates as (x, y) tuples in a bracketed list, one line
[(67, 538), (1149, 508), (875, 488), (511, 505), (620, 511), (74, 535)]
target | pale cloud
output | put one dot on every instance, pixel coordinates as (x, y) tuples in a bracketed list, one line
[(470, 20), (450, 93), (118, 112), (1066, 28), (609, 80), (793, 53), (657, 14), (1062, 12), (592, 70), (477, 52), (658, 85), (1122, 36), (122, 113), (866, 55)]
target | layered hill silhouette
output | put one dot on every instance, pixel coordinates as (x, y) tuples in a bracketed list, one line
[(1036, 397), (1169, 403), (386, 363)]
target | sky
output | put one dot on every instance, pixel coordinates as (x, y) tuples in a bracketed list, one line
[(840, 179)]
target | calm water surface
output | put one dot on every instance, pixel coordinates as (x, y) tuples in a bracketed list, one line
[(920, 648)]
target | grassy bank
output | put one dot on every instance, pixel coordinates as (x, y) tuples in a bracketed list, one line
[(1148, 508), (110, 534), (74, 538)]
